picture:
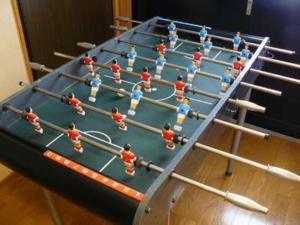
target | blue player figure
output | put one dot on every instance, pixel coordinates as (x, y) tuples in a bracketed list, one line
[(173, 39), (135, 99), (226, 80), (160, 62), (171, 27), (245, 54), (131, 58), (207, 46), (183, 110), (236, 41), (95, 85), (191, 71), (203, 34)]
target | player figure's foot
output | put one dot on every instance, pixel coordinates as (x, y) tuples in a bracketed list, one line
[(147, 90), (40, 130), (131, 112), (129, 68), (123, 128), (170, 147), (81, 112), (80, 150), (189, 84), (131, 173), (157, 76), (92, 99), (177, 127), (118, 81)]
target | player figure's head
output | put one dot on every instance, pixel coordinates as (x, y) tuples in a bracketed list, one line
[(209, 38), (161, 41), (228, 70), (180, 78), (161, 55), (238, 34), (193, 62), (246, 46), (238, 58), (86, 54), (71, 95), (97, 76), (138, 87), (114, 110), (203, 27), (172, 21), (127, 147), (132, 48), (114, 61), (186, 101), (145, 69), (198, 49), (72, 126), (28, 110), (167, 126)]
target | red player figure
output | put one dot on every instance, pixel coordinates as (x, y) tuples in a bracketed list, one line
[(115, 68), (128, 158), (118, 118), (197, 57), (33, 119), (237, 67), (161, 47), (76, 104), (168, 135), (179, 86), (146, 78), (88, 62), (74, 136)]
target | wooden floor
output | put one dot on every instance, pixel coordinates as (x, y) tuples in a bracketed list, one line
[(22, 202)]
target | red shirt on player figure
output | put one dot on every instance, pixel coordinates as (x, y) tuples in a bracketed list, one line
[(179, 86), (146, 78), (237, 66), (118, 118), (161, 47), (115, 68), (32, 118), (168, 135), (88, 62), (197, 57), (74, 136), (76, 104), (128, 158)]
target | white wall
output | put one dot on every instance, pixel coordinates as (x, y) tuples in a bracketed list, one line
[(12, 62)]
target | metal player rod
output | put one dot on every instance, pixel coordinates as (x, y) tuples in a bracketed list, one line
[(235, 199), (275, 49), (276, 171), (240, 103), (261, 72), (195, 114)]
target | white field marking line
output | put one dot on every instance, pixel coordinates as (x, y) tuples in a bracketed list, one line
[(109, 139), (54, 140), (188, 57), (177, 46), (197, 100), (217, 55), (163, 99)]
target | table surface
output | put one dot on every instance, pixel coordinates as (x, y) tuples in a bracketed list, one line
[(103, 129)]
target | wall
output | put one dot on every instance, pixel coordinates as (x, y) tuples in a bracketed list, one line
[(12, 62)]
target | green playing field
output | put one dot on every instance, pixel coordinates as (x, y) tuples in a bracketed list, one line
[(103, 129)]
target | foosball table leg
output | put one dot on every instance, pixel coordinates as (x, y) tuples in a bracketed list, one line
[(56, 217), (237, 135)]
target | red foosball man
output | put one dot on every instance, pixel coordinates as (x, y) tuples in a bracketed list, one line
[(118, 118), (128, 158), (74, 136), (88, 62), (168, 135), (161, 47), (197, 57), (33, 119), (237, 67), (179, 87), (73, 101), (115, 68), (146, 78)]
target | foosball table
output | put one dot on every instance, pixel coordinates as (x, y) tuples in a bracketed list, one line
[(122, 128)]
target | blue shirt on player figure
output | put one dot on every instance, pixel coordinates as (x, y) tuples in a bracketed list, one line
[(135, 99), (203, 34), (236, 41), (191, 71), (171, 27), (131, 55), (95, 84), (183, 109), (245, 54), (226, 79)]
